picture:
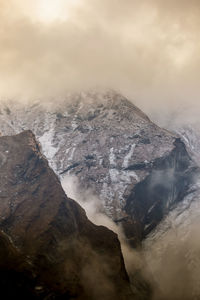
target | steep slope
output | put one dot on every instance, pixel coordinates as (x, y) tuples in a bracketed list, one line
[(71, 257), (112, 148), (17, 278), (190, 134), (174, 244), (170, 180)]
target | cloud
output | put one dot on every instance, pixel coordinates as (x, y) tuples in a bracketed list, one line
[(173, 260), (149, 50), (168, 262), (134, 259)]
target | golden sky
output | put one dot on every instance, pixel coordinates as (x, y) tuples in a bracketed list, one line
[(149, 50)]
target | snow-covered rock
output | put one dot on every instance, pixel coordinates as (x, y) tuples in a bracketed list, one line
[(113, 149)]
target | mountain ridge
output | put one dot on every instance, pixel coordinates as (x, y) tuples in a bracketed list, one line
[(109, 144)]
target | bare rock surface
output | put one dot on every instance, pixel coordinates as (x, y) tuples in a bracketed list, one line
[(66, 255)]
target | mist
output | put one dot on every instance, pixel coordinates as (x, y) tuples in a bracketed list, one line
[(149, 51), (146, 50), (134, 259), (173, 259), (168, 259)]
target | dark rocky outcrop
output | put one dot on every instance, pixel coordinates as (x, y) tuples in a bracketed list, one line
[(17, 277), (170, 179), (57, 252)]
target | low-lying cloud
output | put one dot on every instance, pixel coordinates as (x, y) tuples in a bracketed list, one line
[(95, 213), (168, 262)]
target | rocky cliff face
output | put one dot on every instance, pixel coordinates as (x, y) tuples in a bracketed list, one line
[(169, 181), (17, 278), (56, 250), (138, 170), (174, 245)]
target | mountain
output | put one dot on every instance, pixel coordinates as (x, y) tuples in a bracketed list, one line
[(49, 249), (138, 170)]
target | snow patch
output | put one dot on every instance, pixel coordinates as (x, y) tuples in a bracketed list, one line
[(71, 153), (128, 156), (112, 157), (74, 125)]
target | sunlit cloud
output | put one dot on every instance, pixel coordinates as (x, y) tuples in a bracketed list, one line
[(149, 50)]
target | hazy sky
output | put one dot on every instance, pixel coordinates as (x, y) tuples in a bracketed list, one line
[(149, 50)]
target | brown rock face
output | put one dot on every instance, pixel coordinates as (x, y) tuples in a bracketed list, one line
[(17, 280), (66, 255)]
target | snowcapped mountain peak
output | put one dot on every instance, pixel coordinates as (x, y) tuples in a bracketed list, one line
[(108, 144)]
